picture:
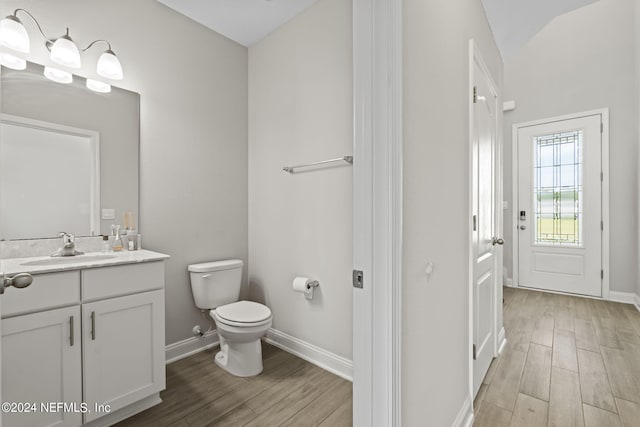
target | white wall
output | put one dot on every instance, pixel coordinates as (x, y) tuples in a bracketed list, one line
[(582, 61), (637, 64), (193, 128), (435, 353), (300, 110)]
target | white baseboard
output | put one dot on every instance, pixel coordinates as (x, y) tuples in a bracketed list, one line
[(326, 360), (502, 340), (190, 346), (465, 416), (624, 297), (637, 302)]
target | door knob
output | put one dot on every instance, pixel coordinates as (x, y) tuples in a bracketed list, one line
[(20, 280), (523, 227), (497, 241)]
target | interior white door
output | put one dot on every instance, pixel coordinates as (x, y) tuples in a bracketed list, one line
[(560, 206), (1, 284), (484, 238)]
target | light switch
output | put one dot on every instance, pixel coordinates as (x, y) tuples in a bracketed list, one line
[(505, 205), (108, 214)]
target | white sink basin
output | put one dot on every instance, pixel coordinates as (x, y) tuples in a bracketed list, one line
[(69, 260)]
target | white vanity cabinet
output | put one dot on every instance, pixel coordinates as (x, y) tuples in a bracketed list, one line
[(41, 358), (123, 350), (103, 349)]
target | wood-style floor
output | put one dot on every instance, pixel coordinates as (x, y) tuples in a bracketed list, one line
[(568, 361), (289, 392)]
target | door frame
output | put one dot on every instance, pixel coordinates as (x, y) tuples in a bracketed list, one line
[(604, 114), (377, 212), (475, 56)]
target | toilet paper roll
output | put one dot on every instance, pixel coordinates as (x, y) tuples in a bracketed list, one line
[(301, 284)]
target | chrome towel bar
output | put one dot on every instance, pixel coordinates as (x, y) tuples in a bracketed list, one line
[(291, 169)]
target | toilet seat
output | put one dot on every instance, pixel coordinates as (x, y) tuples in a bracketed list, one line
[(242, 313)]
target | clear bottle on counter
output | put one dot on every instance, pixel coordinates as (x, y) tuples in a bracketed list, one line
[(131, 240), (106, 245), (117, 242)]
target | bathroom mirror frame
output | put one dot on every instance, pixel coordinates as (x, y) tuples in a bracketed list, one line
[(93, 138), (115, 116)]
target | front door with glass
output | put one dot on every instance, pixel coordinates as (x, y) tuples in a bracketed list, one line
[(559, 220)]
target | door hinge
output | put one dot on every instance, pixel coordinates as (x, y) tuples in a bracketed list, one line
[(601, 127), (602, 274), (475, 94), (358, 279), (601, 225), (474, 352), (475, 222), (602, 176)]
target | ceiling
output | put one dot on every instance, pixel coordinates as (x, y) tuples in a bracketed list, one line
[(514, 22), (243, 21)]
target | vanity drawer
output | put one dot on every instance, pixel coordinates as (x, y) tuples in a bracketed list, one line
[(47, 291), (107, 282)]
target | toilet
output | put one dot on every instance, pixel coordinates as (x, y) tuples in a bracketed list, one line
[(240, 324)]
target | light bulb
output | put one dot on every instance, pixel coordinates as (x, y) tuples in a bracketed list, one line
[(98, 86), (109, 66), (65, 52), (12, 62), (58, 76), (13, 34)]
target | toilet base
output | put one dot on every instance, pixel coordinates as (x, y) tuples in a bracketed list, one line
[(240, 359)]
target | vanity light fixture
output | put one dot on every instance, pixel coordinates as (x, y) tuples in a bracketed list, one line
[(58, 76), (13, 34), (98, 86), (11, 61), (64, 51)]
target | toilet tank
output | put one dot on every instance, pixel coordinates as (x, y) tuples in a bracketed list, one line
[(216, 283)]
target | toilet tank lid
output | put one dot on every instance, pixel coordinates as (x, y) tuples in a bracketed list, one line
[(206, 267)]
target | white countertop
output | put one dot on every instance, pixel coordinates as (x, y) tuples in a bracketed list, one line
[(89, 260)]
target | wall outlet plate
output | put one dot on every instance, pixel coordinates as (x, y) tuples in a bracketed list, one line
[(108, 214)]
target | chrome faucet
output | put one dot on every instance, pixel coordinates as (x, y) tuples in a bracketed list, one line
[(68, 245)]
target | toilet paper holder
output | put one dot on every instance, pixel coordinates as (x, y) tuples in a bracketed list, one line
[(310, 287), (305, 286)]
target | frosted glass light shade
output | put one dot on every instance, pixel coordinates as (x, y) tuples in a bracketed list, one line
[(65, 52), (13, 62), (109, 66), (98, 86), (58, 76), (13, 34)]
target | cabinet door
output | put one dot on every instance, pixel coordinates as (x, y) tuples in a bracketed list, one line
[(123, 350), (41, 364)]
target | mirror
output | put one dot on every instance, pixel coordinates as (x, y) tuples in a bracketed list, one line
[(68, 153)]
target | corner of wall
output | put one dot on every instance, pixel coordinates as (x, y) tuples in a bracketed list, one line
[(465, 416), (637, 81)]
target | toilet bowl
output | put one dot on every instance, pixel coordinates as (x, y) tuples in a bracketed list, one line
[(240, 324)]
